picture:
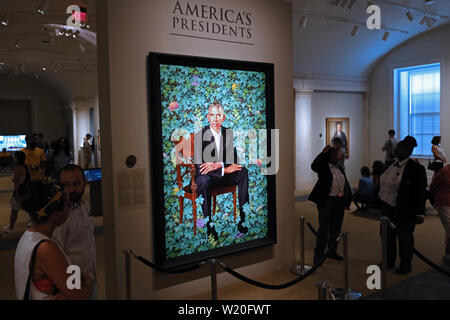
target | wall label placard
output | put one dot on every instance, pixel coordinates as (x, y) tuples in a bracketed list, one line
[(191, 19)]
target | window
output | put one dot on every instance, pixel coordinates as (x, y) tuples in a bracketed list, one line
[(417, 92)]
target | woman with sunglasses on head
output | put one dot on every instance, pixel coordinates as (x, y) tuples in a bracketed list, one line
[(40, 265)]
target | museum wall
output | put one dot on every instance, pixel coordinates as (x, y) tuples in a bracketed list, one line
[(340, 105), (135, 28), (429, 47), (47, 114)]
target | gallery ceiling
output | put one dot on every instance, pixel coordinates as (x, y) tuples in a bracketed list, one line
[(42, 46), (324, 46)]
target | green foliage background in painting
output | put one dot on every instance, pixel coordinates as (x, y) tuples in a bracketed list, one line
[(186, 93)]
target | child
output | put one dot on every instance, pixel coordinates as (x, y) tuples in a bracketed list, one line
[(365, 191)]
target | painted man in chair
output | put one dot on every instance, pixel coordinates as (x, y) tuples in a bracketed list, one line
[(216, 165)]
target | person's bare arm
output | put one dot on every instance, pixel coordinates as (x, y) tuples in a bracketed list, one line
[(51, 261), (18, 173)]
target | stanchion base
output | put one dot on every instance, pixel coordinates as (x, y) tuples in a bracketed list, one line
[(297, 269), (339, 293)]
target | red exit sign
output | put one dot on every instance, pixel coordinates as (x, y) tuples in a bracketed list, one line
[(80, 15)]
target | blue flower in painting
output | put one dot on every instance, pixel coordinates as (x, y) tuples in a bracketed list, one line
[(200, 223), (238, 235), (195, 82)]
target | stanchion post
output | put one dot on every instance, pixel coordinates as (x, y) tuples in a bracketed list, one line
[(384, 232), (213, 263), (323, 289), (128, 272), (302, 244), (302, 268), (344, 236)]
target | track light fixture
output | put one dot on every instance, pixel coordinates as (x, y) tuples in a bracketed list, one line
[(424, 19), (4, 19), (431, 21), (43, 7), (303, 21), (354, 31), (386, 35), (429, 1), (18, 43), (409, 16), (344, 3), (351, 4)]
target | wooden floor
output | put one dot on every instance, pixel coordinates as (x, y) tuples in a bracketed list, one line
[(364, 250)]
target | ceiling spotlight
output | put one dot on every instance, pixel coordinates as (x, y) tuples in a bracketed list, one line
[(44, 68), (351, 4), (431, 21), (424, 19), (386, 35), (4, 19), (303, 21), (43, 7), (18, 43), (409, 16), (354, 31), (344, 3)]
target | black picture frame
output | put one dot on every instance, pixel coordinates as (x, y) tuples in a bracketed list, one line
[(154, 62)]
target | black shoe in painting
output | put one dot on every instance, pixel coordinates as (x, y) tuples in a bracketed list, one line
[(241, 228), (212, 231)]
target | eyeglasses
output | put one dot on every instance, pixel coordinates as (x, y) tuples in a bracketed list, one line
[(55, 202)]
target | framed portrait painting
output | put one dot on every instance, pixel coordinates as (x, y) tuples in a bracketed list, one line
[(208, 119), (339, 128)]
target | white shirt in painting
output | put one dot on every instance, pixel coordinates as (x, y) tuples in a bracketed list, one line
[(217, 136)]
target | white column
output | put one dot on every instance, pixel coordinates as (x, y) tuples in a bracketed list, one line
[(81, 124), (303, 176)]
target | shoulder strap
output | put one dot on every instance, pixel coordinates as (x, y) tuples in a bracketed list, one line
[(26, 296)]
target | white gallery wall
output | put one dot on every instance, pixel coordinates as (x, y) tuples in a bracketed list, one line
[(135, 28), (316, 99), (340, 105), (433, 46)]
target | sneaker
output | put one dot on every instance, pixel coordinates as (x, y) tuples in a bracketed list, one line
[(7, 230)]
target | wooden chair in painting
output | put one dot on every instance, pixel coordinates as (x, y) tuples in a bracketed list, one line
[(185, 149)]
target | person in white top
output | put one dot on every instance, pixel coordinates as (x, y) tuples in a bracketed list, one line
[(402, 192), (87, 152), (40, 265), (76, 235), (440, 158)]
